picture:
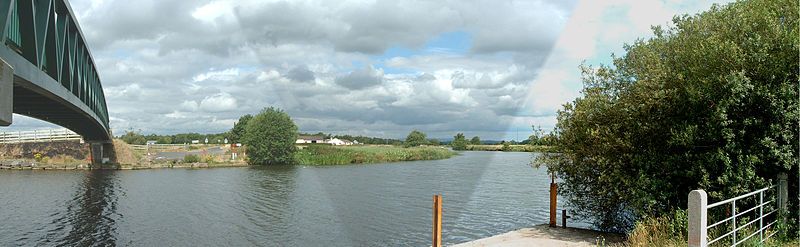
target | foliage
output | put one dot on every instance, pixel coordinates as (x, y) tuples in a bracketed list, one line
[(710, 102), (667, 230), (340, 155), (191, 158), (238, 131), (459, 142), (415, 138), (506, 147), (136, 138), (539, 137), (270, 138), (434, 142), (510, 148), (475, 140)]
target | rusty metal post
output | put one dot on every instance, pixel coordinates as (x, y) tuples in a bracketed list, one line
[(437, 221), (553, 200)]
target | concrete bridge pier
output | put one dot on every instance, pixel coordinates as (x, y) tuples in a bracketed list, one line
[(102, 153)]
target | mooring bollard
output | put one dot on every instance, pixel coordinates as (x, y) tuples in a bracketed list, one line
[(553, 200), (437, 220)]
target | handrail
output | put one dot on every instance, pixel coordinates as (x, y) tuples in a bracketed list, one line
[(38, 136), (739, 197)]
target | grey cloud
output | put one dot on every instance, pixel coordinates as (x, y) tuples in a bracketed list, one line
[(362, 78), (300, 73), (149, 51)]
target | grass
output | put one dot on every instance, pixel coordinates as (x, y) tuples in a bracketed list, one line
[(340, 155), (510, 148), (670, 230)]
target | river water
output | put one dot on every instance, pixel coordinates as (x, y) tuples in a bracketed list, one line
[(484, 194)]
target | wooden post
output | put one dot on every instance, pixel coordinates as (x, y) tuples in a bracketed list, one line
[(553, 200), (437, 221)]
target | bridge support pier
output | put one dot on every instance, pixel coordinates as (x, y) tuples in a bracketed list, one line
[(6, 93), (102, 152)]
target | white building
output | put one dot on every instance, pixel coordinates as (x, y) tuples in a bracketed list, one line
[(310, 139), (339, 142)]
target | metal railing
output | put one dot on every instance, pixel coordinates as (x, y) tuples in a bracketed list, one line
[(763, 205), (734, 214), (46, 135)]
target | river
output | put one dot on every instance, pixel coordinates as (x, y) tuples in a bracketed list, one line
[(484, 193)]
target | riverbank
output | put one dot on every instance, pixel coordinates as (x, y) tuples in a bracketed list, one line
[(342, 155), (510, 148), (543, 235)]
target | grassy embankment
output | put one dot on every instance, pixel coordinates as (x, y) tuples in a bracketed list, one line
[(340, 155), (510, 148)]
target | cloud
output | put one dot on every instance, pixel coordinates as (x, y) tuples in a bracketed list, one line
[(361, 67), (300, 73), (218, 103), (361, 78)]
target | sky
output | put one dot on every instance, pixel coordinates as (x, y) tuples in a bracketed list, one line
[(376, 68)]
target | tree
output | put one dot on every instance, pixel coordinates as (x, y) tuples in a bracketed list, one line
[(710, 103), (239, 129), (434, 142), (459, 142), (475, 141), (415, 138), (270, 138), (133, 137)]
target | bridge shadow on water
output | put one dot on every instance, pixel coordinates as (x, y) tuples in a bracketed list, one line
[(90, 217)]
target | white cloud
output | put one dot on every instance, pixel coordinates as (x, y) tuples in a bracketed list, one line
[(218, 103)]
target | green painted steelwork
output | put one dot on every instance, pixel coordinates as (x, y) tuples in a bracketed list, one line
[(45, 33)]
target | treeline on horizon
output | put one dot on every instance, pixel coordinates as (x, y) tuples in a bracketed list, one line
[(137, 138)]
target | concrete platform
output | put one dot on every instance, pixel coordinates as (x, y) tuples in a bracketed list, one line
[(543, 235)]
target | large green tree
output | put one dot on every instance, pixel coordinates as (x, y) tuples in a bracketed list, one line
[(270, 138), (710, 102), (239, 129), (415, 138), (459, 142)]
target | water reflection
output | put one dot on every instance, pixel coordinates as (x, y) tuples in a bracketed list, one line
[(91, 216)]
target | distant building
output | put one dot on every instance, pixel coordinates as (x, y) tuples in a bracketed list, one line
[(151, 142), (310, 139), (339, 142), (195, 141)]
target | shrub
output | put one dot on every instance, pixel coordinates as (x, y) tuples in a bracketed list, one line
[(270, 138), (415, 138), (191, 158), (459, 142)]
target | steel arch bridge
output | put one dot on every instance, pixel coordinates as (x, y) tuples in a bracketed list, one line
[(48, 72)]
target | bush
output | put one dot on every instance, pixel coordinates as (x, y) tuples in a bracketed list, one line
[(270, 138), (459, 142), (415, 138), (191, 158)]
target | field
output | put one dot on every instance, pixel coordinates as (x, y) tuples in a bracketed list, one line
[(340, 155)]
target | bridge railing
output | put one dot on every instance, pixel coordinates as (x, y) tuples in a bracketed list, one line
[(46, 135), (762, 206)]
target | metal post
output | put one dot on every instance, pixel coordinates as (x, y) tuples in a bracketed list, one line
[(733, 205), (698, 218), (761, 215), (564, 218), (437, 220)]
